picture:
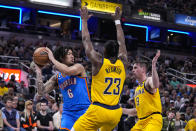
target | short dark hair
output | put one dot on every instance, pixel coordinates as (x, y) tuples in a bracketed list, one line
[(61, 52), (43, 101), (111, 49), (143, 63), (8, 98)]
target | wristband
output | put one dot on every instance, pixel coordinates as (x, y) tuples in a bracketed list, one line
[(117, 22)]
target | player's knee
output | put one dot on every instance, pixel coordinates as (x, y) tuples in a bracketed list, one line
[(72, 129)]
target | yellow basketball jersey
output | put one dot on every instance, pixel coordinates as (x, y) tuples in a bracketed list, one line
[(191, 125), (107, 85), (145, 102)]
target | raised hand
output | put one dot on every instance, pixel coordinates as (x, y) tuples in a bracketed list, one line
[(117, 15), (84, 13), (154, 61)]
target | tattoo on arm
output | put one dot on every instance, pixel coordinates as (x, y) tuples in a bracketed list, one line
[(50, 85), (47, 87), (39, 83)]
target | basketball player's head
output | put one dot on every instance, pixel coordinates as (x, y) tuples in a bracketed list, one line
[(111, 49), (139, 68), (64, 55)]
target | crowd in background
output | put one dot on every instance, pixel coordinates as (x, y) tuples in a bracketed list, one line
[(178, 99)]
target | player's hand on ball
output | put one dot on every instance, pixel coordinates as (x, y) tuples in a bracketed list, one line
[(50, 54)]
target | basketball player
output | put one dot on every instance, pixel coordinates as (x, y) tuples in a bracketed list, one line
[(147, 98), (108, 75), (71, 81)]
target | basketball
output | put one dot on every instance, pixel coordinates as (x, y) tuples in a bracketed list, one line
[(40, 56)]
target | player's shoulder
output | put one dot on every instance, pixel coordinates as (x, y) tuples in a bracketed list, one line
[(78, 65), (192, 121)]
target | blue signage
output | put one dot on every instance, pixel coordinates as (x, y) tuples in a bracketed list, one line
[(186, 20)]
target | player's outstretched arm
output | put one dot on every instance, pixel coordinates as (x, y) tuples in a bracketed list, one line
[(153, 82), (155, 77), (94, 56), (75, 69), (42, 88), (130, 112), (120, 36)]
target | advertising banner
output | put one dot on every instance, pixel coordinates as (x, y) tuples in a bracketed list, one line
[(139, 13), (185, 20), (100, 6), (7, 73)]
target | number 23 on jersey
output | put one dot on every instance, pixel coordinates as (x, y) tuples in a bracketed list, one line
[(112, 81)]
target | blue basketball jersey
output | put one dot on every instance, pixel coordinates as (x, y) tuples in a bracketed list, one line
[(74, 90)]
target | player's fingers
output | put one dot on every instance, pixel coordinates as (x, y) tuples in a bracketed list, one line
[(90, 15)]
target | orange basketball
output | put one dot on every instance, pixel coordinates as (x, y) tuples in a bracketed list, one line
[(40, 56)]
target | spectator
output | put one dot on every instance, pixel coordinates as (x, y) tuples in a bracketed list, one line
[(10, 116), (13, 83), (191, 125), (179, 124), (14, 105), (57, 117), (168, 122), (177, 103), (21, 104), (22, 89), (188, 113), (174, 83), (15, 99), (44, 120), (11, 92), (28, 117), (171, 106), (184, 106), (3, 88)]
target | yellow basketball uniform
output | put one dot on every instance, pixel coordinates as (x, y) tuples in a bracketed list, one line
[(191, 125), (148, 108), (106, 88)]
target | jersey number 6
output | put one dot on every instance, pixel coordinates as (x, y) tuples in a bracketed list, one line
[(70, 94), (112, 81)]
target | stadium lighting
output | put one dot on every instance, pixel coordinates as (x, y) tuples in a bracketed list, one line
[(15, 8), (61, 14), (181, 32), (140, 26)]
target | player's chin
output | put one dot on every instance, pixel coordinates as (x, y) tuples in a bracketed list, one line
[(71, 63)]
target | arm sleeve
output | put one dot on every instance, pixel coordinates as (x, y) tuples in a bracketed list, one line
[(17, 115), (3, 116)]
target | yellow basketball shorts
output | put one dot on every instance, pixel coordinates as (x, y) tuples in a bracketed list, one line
[(98, 117), (151, 123)]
